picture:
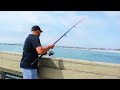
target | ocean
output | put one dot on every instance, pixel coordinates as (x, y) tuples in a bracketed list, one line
[(71, 53)]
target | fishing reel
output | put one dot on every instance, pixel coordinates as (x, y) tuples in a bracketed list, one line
[(50, 53)]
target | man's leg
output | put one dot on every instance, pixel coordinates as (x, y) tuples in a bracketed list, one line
[(29, 73)]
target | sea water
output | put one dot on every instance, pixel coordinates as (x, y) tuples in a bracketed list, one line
[(71, 53)]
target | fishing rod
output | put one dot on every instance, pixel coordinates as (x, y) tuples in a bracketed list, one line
[(51, 53)]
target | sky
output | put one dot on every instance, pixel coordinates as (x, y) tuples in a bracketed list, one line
[(99, 29)]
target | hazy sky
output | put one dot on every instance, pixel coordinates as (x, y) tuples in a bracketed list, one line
[(100, 29)]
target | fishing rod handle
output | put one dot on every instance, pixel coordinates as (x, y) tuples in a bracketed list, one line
[(37, 59)]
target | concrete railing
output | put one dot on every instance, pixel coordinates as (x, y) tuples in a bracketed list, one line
[(60, 68)]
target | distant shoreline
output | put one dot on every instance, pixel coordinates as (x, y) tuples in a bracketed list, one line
[(12, 44), (100, 50), (77, 48), (114, 51), (107, 51)]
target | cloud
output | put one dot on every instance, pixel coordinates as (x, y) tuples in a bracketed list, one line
[(11, 39), (111, 13), (22, 21), (17, 25)]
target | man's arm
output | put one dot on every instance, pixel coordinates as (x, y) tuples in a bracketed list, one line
[(42, 50)]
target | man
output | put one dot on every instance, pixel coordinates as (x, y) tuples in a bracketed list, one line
[(32, 48)]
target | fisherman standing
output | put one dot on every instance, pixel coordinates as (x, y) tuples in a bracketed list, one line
[(32, 48)]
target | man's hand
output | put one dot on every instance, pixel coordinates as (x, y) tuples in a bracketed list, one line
[(45, 53), (43, 50), (51, 46)]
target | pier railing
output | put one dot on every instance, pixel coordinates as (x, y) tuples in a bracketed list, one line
[(60, 68)]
